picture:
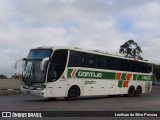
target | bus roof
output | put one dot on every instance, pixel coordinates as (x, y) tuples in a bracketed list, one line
[(97, 52)]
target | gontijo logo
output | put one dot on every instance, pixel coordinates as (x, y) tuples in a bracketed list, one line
[(85, 74), (89, 74)]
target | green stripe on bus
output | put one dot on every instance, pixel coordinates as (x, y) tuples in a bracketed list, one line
[(123, 77), (90, 74), (142, 77), (120, 83), (69, 72)]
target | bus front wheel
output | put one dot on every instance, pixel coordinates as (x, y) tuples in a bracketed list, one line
[(73, 93)]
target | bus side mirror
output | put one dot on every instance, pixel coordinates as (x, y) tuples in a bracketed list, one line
[(21, 59), (42, 64)]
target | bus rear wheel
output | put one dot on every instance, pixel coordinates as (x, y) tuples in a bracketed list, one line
[(138, 91), (131, 91), (73, 93)]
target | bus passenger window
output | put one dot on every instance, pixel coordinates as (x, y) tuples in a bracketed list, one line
[(75, 59), (129, 66), (109, 63), (91, 61), (134, 66), (83, 61), (143, 67), (52, 73), (57, 65), (102, 62), (123, 65), (72, 59), (116, 64), (138, 67), (149, 68)]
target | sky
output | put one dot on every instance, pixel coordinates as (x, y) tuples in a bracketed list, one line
[(87, 24)]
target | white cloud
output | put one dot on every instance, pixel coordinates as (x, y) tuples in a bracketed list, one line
[(3, 11), (146, 17), (16, 42), (89, 24)]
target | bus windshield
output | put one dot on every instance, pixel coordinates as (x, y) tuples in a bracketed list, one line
[(32, 72)]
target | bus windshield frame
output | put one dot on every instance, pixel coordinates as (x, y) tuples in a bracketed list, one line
[(31, 70)]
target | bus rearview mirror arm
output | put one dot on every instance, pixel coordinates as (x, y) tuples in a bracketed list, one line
[(43, 62), (21, 59)]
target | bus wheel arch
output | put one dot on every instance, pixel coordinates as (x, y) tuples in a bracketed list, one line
[(138, 91), (73, 92), (131, 91)]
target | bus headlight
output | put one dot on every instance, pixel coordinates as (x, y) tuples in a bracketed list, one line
[(39, 88)]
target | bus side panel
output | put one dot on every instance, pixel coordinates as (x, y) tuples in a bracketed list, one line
[(106, 87), (56, 89), (99, 87), (102, 87), (90, 87), (148, 87)]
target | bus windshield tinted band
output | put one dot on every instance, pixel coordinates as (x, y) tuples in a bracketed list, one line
[(39, 53)]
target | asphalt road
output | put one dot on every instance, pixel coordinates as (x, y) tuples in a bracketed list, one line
[(145, 102)]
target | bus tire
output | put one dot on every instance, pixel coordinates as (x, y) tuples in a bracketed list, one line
[(131, 91), (138, 91), (73, 93)]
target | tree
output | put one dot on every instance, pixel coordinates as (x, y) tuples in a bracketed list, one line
[(3, 77), (131, 49)]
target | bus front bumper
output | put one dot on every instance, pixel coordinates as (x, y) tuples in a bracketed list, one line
[(41, 93)]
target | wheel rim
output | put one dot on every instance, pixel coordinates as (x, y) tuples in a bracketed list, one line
[(72, 93)]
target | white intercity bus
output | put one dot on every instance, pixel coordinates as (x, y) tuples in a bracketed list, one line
[(71, 72)]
